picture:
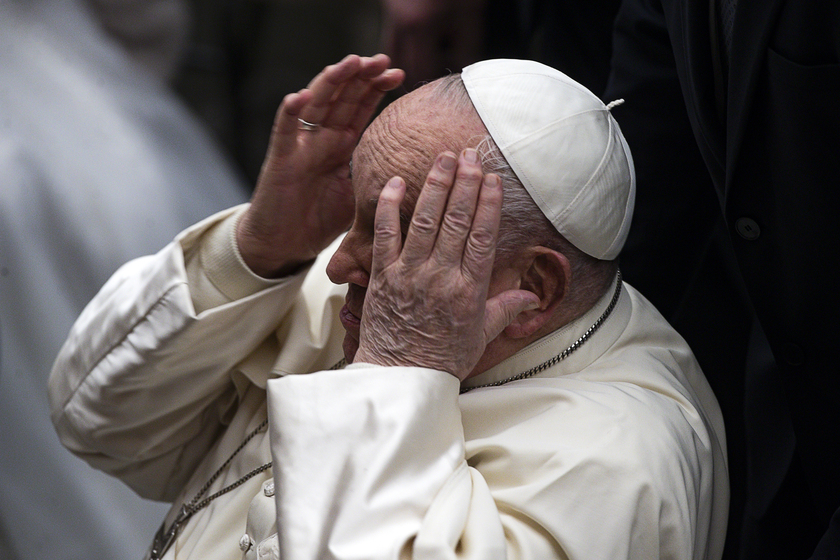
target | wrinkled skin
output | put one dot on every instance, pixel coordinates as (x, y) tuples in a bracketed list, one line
[(304, 197), (427, 300), (418, 278)]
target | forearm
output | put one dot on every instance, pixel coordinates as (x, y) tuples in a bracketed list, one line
[(143, 378)]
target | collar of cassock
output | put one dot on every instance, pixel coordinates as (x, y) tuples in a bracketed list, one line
[(551, 345)]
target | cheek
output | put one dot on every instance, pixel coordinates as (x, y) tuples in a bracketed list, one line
[(350, 347)]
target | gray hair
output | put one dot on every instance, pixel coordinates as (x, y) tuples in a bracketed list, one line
[(591, 276)]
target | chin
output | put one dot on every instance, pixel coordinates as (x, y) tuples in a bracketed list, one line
[(350, 346)]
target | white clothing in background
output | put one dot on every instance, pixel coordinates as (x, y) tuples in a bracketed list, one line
[(98, 164)]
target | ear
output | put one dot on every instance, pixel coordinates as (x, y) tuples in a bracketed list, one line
[(547, 273)]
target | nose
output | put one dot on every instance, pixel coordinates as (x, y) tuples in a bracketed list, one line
[(351, 262)]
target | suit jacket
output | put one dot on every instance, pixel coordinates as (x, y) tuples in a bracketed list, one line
[(767, 131)]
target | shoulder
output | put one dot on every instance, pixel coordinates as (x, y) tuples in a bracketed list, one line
[(631, 443), (581, 454)]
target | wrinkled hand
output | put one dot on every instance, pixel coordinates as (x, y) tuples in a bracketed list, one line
[(430, 38), (426, 303), (304, 198)]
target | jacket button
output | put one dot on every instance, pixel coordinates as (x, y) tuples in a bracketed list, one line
[(747, 228), (245, 543)]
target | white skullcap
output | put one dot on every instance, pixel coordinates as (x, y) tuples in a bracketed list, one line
[(565, 147)]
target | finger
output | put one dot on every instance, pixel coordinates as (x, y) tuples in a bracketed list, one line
[(285, 129), (345, 103), (343, 111), (458, 219), (425, 222), (387, 81), (387, 234), (502, 309), (326, 85), (480, 248), (373, 66)]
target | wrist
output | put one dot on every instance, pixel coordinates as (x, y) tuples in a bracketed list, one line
[(261, 255), (387, 358)]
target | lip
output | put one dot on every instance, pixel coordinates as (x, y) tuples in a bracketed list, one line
[(349, 320)]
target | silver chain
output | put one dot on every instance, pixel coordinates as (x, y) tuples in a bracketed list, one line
[(165, 537), (565, 353)]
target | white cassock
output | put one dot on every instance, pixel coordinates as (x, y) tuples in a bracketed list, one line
[(617, 451), (98, 164)]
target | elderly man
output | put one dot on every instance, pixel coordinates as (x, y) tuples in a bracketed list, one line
[(507, 395)]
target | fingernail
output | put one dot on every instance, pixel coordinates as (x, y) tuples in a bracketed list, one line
[(447, 162), (394, 183), (471, 155), (492, 181)]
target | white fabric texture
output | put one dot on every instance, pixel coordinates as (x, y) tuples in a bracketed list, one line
[(615, 452), (99, 164), (564, 146)]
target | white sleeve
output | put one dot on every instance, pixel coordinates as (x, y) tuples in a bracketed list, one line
[(370, 464), (142, 385)]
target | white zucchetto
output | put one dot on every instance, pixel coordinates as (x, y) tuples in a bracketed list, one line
[(565, 147)]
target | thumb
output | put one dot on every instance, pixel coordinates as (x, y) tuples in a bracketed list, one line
[(502, 309)]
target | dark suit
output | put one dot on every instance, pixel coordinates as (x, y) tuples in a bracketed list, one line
[(757, 135), (573, 36)]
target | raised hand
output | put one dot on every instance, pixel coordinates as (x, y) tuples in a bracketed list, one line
[(304, 199), (426, 303)]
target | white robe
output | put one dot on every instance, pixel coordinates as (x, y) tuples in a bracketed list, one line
[(98, 164), (618, 451)]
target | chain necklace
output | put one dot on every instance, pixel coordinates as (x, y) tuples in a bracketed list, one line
[(565, 353), (164, 538)]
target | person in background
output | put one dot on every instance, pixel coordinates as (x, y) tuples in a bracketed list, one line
[(731, 109), (99, 163), (431, 38), (243, 56)]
